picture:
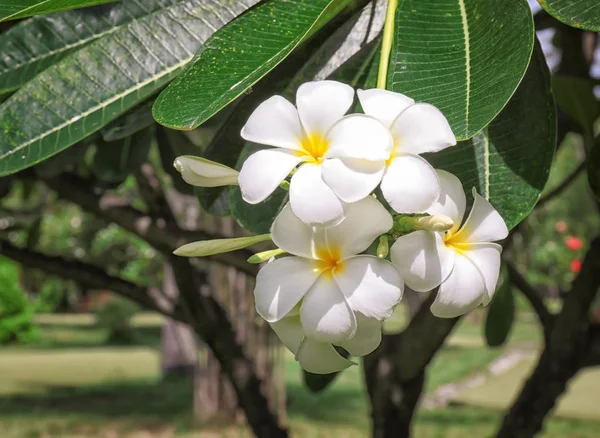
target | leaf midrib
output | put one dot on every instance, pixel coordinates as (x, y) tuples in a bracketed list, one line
[(465, 23), (97, 107)]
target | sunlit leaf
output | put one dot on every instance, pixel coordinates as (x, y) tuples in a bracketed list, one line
[(13, 9), (93, 86), (582, 14), (237, 56), (466, 57), (35, 44)]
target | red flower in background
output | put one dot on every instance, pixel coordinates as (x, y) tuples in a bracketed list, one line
[(560, 226), (575, 265), (574, 243)]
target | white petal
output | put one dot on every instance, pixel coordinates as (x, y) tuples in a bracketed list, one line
[(484, 223), (322, 103), (410, 184), (384, 105), (311, 199), (422, 259), (461, 292), (281, 284), (294, 236), (201, 172), (486, 256), (321, 358), (365, 221), (367, 337), (275, 123), (359, 136), (422, 128), (372, 286), (263, 171), (289, 331), (452, 201), (352, 179), (325, 313)]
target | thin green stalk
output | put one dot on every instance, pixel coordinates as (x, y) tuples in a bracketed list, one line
[(386, 45)]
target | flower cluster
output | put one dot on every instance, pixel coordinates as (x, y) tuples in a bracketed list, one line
[(328, 292)]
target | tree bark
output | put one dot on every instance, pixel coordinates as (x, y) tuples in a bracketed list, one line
[(395, 373), (212, 323), (567, 351), (393, 401)]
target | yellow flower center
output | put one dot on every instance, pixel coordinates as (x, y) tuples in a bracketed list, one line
[(314, 146), (393, 152), (329, 261), (452, 242)]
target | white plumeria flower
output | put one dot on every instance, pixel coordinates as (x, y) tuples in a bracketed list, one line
[(325, 293), (462, 261), (408, 182), (201, 172), (309, 136)]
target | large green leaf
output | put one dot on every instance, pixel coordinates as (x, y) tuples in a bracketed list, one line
[(509, 162), (23, 56), (582, 14), (13, 9), (236, 57), (94, 85), (466, 57)]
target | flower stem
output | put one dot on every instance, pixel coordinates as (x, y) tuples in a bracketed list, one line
[(386, 45)]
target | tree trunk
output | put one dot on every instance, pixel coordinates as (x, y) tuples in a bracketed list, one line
[(393, 401), (395, 372)]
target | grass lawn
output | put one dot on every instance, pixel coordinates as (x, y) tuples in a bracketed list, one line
[(69, 385)]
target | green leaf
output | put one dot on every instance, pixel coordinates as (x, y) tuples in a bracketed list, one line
[(128, 124), (501, 315), (22, 56), (13, 9), (237, 56), (575, 96), (509, 162), (63, 161), (205, 248), (93, 86), (593, 169), (466, 57), (114, 161), (582, 14)]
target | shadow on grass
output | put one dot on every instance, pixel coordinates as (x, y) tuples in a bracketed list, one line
[(165, 399)]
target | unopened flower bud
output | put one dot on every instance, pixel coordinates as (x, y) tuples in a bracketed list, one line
[(434, 223), (383, 248), (265, 255), (201, 172)]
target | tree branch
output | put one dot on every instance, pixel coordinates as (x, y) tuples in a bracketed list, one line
[(565, 353), (212, 323), (163, 235), (562, 186), (534, 298), (86, 274)]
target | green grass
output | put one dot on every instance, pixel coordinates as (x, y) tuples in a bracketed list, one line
[(70, 385)]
